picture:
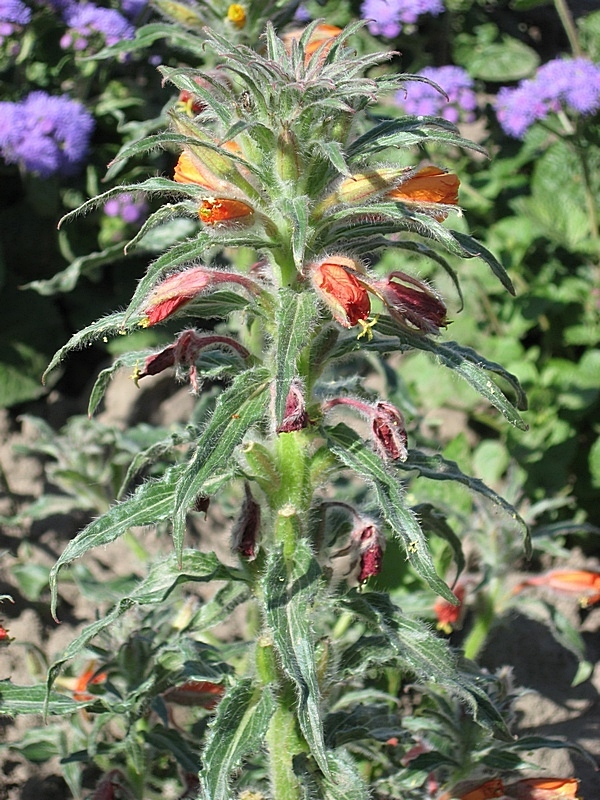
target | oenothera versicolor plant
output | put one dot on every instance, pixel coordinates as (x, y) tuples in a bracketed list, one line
[(284, 162)]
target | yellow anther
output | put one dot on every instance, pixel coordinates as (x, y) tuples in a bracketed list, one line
[(367, 328)]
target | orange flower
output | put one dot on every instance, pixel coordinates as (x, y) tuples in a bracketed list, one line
[(430, 185), (323, 34), (585, 583), (79, 684), (215, 211), (196, 693), (544, 789), (486, 791), (190, 168), (448, 615), (335, 279)]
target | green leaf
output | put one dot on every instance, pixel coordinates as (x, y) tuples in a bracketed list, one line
[(148, 34), (152, 502), (469, 364), (297, 312), (296, 211), (289, 594), (352, 451), (169, 740), (35, 700), (237, 409), (106, 375), (471, 248), (438, 468), (164, 576), (238, 730), (416, 647), (497, 61)]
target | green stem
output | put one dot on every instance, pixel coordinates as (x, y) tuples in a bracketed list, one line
[(562, 9), (283, 743)]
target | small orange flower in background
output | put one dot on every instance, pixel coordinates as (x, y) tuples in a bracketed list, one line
[(237, 15), (429, 185), (486, 791), (216, 211), (335, 279), (581, 582), (449, 616), (79, 684), (544, 789), (323, 34)]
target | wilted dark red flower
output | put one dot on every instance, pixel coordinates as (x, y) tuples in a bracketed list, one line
[(371, 545), (246, 532), (295, 417), (412, 302), (336, 281), (111, 786), (195, 693), (389, 431)]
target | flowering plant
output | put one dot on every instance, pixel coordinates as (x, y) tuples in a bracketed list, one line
[(292, 194)]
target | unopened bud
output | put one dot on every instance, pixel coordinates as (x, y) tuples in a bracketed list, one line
[(287, 163), (388, 429), (246, 531), (295, 417)]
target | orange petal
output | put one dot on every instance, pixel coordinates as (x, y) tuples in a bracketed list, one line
[(342, 291), (545, 789), (428, 185), (216, 210)]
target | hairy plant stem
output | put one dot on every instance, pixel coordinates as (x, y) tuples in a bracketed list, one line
[(284, 742)]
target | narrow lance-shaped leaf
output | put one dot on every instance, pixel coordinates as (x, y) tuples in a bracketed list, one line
[(238, 730), (289, 592), (419, 649), (354, 453), (152, 502), (237, 409), (162, 579), (296, 316), (438, 468)]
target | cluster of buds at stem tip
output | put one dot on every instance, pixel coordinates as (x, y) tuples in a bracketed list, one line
[(184, 352), (246, 531), (295, 417), (181, 288), (387, 425)]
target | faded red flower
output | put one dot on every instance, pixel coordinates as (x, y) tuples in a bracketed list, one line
[(544, 789), (195, 693), (582, 582), (411, 302), (184, 353), (371, 544), (389, 431), (246, 531), (448, 615), (336, 282), (427, 187), (219, 211), (295, 417)]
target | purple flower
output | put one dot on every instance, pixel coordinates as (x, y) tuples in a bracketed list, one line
[(45, 134), (572, 84), (129, 208), (87, 21), (386, 17), (421, 99), (13, 15), (133, 8)]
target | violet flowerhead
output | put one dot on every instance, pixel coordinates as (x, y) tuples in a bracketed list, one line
[(88, 22), (422, 99), (386, 17), (45, 135), (130, 209), (13, 16), (562, 83)]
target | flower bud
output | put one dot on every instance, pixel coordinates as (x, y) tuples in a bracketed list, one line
[(236, 14), (336, 281), (363, 186), (246, 532), (411, 301), (295, 417), (287, 163)]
